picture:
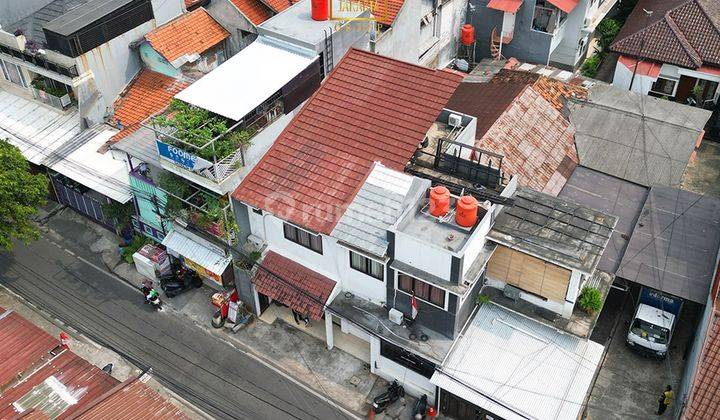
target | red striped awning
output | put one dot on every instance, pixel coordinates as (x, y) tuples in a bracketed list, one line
[(507, 6), (566, 6)]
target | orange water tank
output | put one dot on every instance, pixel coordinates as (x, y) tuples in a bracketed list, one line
[(466, 211), (467, 34), (439, 201), (320, 9)]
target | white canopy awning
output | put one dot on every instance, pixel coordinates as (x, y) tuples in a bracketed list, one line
[(197, 249), (247, 79)]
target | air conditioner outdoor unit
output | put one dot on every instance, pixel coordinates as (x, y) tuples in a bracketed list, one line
[(454, 120), (395, 316)]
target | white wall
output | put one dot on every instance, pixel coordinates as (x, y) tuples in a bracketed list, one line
[(112, 66), (423, 256), (476, 242), (624, 76), (334, 262), (401, 40), (166, 10), (414, 383)]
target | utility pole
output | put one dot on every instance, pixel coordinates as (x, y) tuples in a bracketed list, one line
[(638, 59)]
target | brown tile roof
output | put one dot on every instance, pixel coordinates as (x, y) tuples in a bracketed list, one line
[(385, 11), (254, 10), (189, 4), (191, 33), (132, 400), (149, 93), (519, 117), (371, 108), (680, 32), (704, 399), (279, 5), (293, 284)]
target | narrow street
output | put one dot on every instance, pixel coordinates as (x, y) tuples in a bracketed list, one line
[(209, 373)]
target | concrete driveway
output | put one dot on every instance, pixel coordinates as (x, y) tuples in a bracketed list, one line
[(628, 385)]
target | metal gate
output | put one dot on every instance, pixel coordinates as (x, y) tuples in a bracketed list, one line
[(82, 203)]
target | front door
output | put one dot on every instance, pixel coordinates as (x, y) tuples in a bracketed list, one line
[(685, 88)]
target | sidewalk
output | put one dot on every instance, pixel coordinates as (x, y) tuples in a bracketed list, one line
[(334, 374)]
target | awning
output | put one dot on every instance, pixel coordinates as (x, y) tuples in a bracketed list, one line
[(293, 284), (249, 78), (81, 162), (644, 68), (566, 6), (199, 251), (507, 6)]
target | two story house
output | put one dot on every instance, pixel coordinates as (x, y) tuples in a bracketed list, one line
[(556, 32)]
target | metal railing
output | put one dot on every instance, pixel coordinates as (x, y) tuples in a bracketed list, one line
[(59, 102), (40, 61)]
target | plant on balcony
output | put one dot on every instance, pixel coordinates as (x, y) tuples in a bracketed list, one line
[(198, 127), (590, 299), (39, 84), (177, 189)]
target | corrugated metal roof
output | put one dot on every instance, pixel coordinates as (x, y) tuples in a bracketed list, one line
[(133, 401), (141, 144), (675, 243), (514, 366), (75, 20), (635, 137), (37, 130), (21, 344), (610, 195), (377, 205), (553, 229), (198, 250), (248, 78)]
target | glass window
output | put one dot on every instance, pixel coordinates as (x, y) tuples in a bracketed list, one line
[(302, 237), (407, 359), (423, 291), (366, 265), (13, 74), (664, 87)]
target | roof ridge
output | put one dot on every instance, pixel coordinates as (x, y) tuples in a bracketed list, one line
[(687, 46)]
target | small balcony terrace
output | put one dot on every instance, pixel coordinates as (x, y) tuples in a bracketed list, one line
[(202, 146), (51, 92)]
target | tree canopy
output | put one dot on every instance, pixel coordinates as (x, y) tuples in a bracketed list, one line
[(20, 195)]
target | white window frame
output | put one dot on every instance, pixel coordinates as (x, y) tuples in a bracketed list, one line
[(672, 79)]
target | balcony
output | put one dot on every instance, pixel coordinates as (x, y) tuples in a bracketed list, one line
[(206, 148), (51, 93), (547, 18), (40, 61)]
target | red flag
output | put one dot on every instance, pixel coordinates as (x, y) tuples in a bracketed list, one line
[(414, 305)]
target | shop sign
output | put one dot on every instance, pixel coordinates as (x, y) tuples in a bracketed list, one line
[(182, 157), (202, 271)]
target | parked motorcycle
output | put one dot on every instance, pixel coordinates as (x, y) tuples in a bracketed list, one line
[(383, 401), (180, 281), (420, 408)]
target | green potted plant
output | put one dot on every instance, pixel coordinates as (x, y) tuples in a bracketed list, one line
[(590, 300)]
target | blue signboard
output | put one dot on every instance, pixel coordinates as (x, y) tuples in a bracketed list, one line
[(181, 157), (660, 300)]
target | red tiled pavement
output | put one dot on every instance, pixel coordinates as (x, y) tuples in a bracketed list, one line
[(294, 285), (191, 33), (254, 10), (681, 32), (371, 108)]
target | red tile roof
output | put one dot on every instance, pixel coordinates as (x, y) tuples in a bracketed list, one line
[(149, 93), (704, 399), (254, 10), (191, 33), (189, 4), (30, 356), (385, 11), (279, 5), (681, 32), (292, 284), (132, 400), (371, 108), (519, 117)]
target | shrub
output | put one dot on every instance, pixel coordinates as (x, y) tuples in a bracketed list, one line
[(590, 299), (607, 30), (591, 65), (482, 299), (136, 243)]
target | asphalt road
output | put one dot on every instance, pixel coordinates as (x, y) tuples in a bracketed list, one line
[(201, 368)]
